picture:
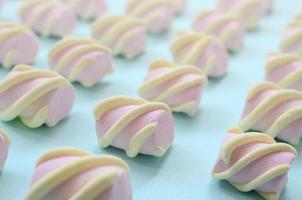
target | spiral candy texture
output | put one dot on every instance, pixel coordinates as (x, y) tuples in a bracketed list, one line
[(180, 87), (274, 111), (35, 96), (254, 161), (125, 35), (81, 60), (135, 125), (69, 173)]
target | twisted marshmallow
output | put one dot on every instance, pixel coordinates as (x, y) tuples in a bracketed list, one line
[(250, 11), (179, 87), (18, 45), (285, 70), (254, 161), (292, 39), (48, 18), (226, 26), (157, 14), (68, 173), (87, 9), (134, 125), (203, 51), (275, 111), (81, 60), (5, 142), (126, 36), (36, 96)]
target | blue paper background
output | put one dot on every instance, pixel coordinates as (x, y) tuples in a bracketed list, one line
[(185, 171)]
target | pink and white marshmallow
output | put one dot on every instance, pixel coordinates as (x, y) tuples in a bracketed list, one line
[(5, 142), (226, 26), (69, 173), (274, 111), (180, 87), (80, 60), (135, 125), (48, 18), (125, 35), (19, 45), (87, 9), (36, 96), (285, 70), (250, 11), (157, 14), (201, 50), (254, 161)]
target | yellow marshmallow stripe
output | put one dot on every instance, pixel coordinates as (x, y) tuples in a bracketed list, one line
[(27, 73), (241, 138), (86, 161), (140, 137), (173, 73), (270, 103)]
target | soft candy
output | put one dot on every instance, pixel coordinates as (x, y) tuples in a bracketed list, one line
[(4, 147)]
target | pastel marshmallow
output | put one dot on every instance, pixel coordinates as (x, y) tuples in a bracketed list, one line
[(254, 161), (36, 96), (285, 70), (201, 50), (125, 35), (48, 18), (274, 111), (5, 142), (250, 11), (87, 9), (81, 60), (135, 125), (226, 26), (18, 45), (69, 173), (180, 87), (157, 14), (180, 6)]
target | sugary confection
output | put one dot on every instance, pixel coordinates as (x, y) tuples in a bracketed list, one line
[(292, 39), (274, 111), (180, 87), (250, 11), (125, 35), (284, 69), (81, 60), (157, 14), (69, 173), (180, 6), (5, 142), (48, 18), (36, 96), (18, 45), (254, 161), (226, 26), (87, 9), (201, 50), (135, 125)]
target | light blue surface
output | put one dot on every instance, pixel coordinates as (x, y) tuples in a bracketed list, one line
[(184, 172)]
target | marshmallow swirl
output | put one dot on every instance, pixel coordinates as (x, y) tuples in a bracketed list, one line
[(69, 173), (35, 96), (274, 111), (48, 18), (135, 125), (18, 45), (254, 161), (201, 50), (81, 60), (126, 36), (285, 70), (226, 26), (157, 14), (179, 87), (5, 142)]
